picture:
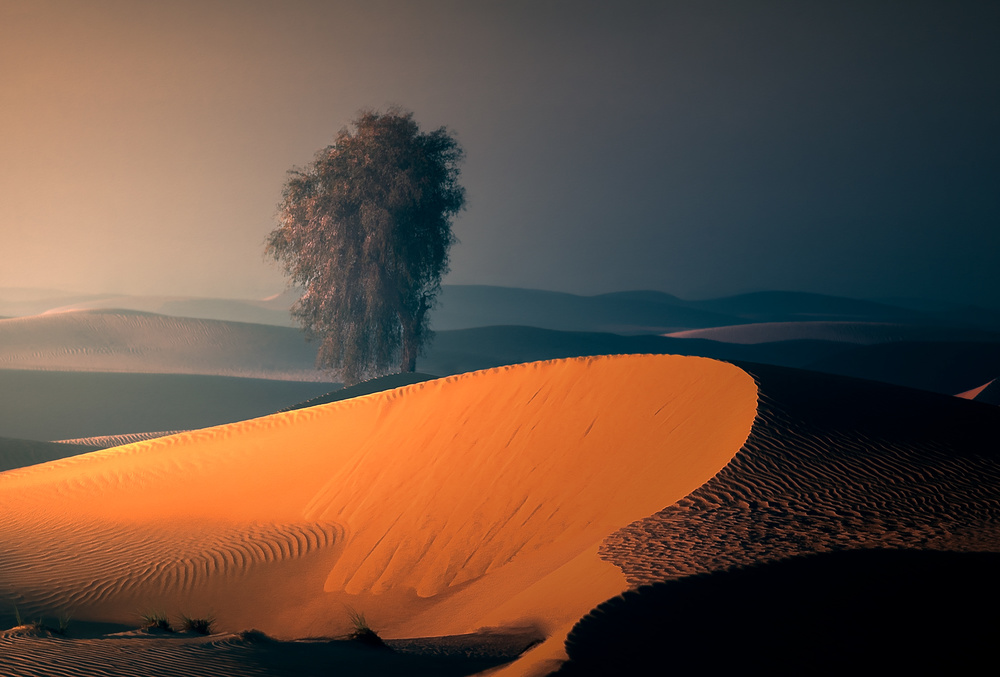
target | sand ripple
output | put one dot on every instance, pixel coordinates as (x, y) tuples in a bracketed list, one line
[(137, 561), (132, 657), (831, 464)]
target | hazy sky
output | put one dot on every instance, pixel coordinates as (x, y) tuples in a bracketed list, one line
[(699, 148)]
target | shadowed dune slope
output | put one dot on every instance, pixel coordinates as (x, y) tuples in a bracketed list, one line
[(832, 463), (108, 441), (128, 341), (851, 612), (437, 508), (15, 453)]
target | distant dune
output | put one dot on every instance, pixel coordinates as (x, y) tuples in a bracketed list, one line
[(438, 508), (984, 393), (470, 306), (130, 341), (56, 405), (461, 350), (16, 453), (108, 441), (273, 310), (864, 333)]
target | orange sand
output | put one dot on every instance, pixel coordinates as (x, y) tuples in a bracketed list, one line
[(975, 392), (438, 508)]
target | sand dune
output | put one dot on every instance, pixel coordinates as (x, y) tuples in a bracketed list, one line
[(975, 392), (864, 333), (281, 521), (17, 453), (108, 441), (128, 341), (832, 463), (455, 352), (870, 611), (437, 509), (59, 405), (272, 310)]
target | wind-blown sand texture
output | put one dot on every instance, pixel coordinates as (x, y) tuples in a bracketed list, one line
[(437, 509), (832, 464), (129, 341), (108, 441)]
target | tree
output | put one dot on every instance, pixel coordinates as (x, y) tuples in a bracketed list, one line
[(365, 229)]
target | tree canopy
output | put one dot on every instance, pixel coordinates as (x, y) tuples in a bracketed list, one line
[(365, 230)]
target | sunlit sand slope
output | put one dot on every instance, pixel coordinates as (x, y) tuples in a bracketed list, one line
[(128, 341), (438, 508)]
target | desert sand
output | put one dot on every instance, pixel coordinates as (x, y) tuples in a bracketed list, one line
[(869, 510), (975, 392), (437, 509)]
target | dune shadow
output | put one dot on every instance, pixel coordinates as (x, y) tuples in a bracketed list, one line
[(855, 611)]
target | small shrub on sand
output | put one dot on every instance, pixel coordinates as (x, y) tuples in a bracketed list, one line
[(21, 622), (155, 620), (202, 626), (253, 637), (37, 627), (362, 631)]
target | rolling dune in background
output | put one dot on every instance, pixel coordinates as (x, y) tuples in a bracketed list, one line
[(130, 341), (437, 509), (862, 333)]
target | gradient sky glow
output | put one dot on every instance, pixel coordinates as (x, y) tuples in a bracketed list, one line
[(698, 148)]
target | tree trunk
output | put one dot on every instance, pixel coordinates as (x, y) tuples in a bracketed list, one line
[(410, 349), (412, 337)]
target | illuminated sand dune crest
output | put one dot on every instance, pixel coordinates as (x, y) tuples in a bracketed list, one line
[(436, 508)]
